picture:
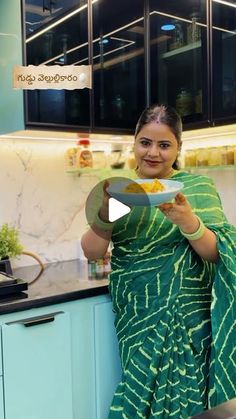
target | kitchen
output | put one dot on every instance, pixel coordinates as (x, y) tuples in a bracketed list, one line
[(46, 203)]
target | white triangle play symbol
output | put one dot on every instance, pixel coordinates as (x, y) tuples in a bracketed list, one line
[(116, 209)]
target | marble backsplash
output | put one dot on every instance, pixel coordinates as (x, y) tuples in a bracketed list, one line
[(44, 202), (47, 204)]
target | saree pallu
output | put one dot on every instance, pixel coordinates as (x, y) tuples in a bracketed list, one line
[(175, 313)]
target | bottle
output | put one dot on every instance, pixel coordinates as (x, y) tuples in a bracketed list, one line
[(84, 156), (99, 269)]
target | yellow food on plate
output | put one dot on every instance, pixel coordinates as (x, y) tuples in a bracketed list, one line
[(145, 187)]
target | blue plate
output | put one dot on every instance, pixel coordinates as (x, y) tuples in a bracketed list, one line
[(172, 187)]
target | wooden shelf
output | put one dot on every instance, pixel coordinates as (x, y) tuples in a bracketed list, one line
[(101, 173), (222, 167)]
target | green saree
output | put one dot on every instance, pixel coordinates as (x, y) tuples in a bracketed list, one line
[(175, 313)]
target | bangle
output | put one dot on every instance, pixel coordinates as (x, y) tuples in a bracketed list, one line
[(102, 224), (198, 234)]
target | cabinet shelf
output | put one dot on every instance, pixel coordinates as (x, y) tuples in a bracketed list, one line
[(181, 50)]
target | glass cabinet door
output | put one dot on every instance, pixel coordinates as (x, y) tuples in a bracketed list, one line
[(118, 59), (57, 33), (224, 59), (178, 57)]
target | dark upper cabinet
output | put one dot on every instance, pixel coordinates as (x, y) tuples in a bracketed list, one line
[(224, 60), (118, 63), (57, 36), (178, 57), (181, 53)]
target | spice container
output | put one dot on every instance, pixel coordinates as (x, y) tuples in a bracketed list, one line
[(99, 269), (214, 156), (190, 159), (202, 157)]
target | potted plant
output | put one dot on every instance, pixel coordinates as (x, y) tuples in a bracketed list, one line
[(10, 246)]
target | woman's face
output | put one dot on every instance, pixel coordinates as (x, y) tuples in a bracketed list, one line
[(155, 150)]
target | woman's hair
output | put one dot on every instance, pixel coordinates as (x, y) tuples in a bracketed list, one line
[(163, 115)]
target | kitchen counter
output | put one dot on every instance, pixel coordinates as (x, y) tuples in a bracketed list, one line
[(59, 282)]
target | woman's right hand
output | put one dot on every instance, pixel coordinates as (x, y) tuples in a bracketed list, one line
[(104, 210)]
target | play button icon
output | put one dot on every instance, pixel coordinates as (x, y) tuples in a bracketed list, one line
[(135, 218), (116, 209)]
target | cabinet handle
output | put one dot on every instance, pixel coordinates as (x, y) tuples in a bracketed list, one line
[(34, 321)]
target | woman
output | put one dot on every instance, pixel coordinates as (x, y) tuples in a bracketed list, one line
[(173, 286)]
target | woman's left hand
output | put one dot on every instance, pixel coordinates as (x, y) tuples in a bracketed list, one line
[(180, 212)]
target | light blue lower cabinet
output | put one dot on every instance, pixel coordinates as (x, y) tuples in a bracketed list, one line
[(1, 400), (37, 367), (107, 360), (59, 361)]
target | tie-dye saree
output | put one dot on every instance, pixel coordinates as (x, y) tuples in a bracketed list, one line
[(175, 313)]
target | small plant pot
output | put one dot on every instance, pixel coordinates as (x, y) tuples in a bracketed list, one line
[(5, 266)]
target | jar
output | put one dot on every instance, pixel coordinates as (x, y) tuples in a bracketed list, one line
[(184, 103), (190, 159), (214, 156), (70, 158), (228, 155), (116, 157), (99, 159), (131, 161), (202, 157)]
